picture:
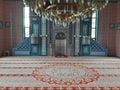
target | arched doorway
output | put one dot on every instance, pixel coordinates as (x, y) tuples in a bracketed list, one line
[(60, 44)]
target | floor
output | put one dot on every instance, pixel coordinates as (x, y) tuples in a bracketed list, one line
[(55, 73)]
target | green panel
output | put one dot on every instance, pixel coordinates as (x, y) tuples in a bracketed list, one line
[(47, 44), (40, 23), (74, 38), (35, 20), (40, 33), (85, 31), (34, 50), (85, 50)]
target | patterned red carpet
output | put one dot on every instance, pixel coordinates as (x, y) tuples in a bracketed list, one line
[(50, 73)]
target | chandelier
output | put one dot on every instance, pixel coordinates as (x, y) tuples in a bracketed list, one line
[(65, 11)]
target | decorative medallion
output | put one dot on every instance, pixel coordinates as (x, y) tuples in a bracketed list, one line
[(65, 74)]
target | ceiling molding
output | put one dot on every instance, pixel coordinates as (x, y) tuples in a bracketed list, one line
[(22, 0)]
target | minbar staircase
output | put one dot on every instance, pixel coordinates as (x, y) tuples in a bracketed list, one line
[(23, 48)]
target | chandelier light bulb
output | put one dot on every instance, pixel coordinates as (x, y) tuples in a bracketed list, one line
[(51, 19), (58, 1), (100, 8), (64, 9), (57, 10), (88, 3), (24, 2), (66, 1), (32, 9), (64, 24), (75, 1), (82, 1), (103, 6), (35, 10), (40, 5), (44, 3), (51, 2), (55, 20)]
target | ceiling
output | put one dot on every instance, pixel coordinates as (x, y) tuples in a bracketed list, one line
[(22, 0)]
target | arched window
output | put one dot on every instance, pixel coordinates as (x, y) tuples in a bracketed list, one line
[(94, 26), (26, 23)]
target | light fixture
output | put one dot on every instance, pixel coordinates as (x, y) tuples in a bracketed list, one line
[(65, 11)]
